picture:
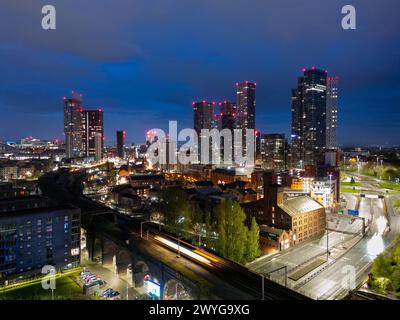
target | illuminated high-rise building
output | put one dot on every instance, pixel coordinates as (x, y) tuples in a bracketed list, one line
[(98, 146), (227, 120), (204, 118), (246, 105), (331, 112), (245, 109), (309, 118), (73, 126), (92, 126), (227, 115), (121, 135), (274, 151)]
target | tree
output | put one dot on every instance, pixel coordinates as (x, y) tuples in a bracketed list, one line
[(253, 242), (176, 209), (209, 240), (221, 212), (352, 181), (396, 256), (395, 281), (232, 233), (381, 267)]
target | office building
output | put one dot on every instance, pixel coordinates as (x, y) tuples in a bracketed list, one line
[(309, 118), (93, 133), (331, 112), (227, 120), (73, 126), (245, 109), (227, 115), (98, 146), (274, 152), (203, 118), (121, 135)]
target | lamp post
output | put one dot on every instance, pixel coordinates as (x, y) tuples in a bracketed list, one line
[(327, 240), (330, 191)]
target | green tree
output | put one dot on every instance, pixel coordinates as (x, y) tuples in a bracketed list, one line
[(209, 240), (232, 233), (395, 281), (381, 267), (176, 210), (396, 256), (352, 181), (253, 242), (221, 212)]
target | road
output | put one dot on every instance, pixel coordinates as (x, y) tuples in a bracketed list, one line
[(328, 284), (331, 282), (299, 255)]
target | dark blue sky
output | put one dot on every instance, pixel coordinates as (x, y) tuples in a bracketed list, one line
[(144, 62)]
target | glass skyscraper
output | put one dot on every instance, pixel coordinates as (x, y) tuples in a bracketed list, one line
[(309, 109), (93, 133), (331, 112), (245, 109), (73, 126)]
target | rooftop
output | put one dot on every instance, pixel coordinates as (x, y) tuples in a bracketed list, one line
[(45, 210), (300, 205), (270, 230)]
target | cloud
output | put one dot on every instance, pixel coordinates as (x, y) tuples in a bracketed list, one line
[(144, 61)]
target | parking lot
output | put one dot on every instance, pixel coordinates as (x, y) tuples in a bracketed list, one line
[(112, 281)]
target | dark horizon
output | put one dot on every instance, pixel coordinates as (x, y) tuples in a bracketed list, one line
[(145, 63)]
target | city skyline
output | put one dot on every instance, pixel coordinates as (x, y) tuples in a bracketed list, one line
[(166, 75), (199, 151)]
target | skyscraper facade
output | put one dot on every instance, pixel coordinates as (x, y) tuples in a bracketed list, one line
[(331, 112), (204, 118), (121, 135), (246, 105), (227, 115), (309, 117), (73, 126), (93, 133), (274, 152), (98, 146), (245, 109), (227, 120), (203, 112)]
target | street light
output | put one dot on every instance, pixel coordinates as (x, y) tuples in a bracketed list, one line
[(327, 240), (330, 189)]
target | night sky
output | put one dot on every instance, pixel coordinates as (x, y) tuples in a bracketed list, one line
[(145, 61)]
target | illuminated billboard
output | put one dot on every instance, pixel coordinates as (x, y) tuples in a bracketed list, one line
[(153, 289)]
